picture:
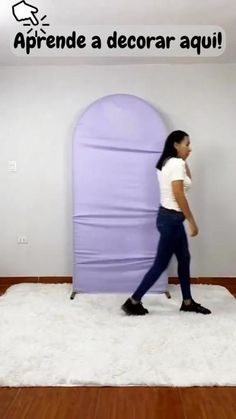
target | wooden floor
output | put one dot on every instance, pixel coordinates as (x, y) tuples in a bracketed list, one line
[(117, 402)]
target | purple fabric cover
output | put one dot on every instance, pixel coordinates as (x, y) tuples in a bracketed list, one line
[(116, 194)]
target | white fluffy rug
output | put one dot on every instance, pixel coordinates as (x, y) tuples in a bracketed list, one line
[(46, 339)]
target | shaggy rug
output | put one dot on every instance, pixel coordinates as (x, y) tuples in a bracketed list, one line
[(46, 339)]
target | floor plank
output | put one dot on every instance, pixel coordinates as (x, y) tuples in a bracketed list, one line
[(96, 403), (209, 402), (7, 397), (141, 402)]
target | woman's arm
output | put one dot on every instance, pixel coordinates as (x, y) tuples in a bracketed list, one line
[(188, 171), (178, 191)]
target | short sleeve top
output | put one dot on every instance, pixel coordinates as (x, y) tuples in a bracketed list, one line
[(173, 169)]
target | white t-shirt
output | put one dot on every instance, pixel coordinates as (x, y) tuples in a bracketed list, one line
[(174, 169)]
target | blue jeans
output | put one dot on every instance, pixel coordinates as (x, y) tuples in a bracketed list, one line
[(173, 240)]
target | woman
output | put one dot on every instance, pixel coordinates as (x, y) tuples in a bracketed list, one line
[(174, 179)]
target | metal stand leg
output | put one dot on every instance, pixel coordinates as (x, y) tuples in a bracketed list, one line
[(73, 294)]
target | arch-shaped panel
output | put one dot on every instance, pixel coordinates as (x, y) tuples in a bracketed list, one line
[(116, 144)]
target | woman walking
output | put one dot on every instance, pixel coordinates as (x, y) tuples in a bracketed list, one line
[(175, 179)]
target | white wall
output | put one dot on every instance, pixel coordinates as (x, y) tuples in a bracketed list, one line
[(39, 107)]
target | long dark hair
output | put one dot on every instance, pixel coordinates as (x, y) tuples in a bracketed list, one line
[(169, 149)]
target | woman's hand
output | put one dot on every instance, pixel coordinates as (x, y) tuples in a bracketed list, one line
[(193, 228)]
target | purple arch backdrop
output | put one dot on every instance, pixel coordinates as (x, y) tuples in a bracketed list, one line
[(116, 195)]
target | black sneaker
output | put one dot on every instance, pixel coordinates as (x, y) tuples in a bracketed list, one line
[(136, 309), (194, 307)]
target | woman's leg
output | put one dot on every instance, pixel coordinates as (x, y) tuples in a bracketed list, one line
[(183, 256), (181, 251), (164, 253)]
